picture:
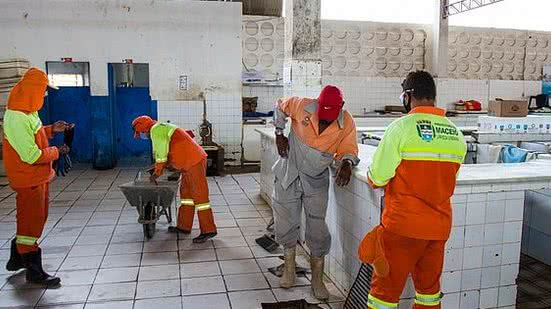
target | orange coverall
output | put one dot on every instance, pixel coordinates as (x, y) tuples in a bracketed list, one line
[(28, 157), (416, 162), (189, 157)]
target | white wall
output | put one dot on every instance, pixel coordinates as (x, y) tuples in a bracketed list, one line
[(195, 38)]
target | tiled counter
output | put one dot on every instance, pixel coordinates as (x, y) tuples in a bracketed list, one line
[(483, 252)]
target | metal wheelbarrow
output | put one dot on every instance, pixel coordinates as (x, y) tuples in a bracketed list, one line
[(151, 201)]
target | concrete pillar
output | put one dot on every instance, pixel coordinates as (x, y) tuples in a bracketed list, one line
[(302, 63), (439, 49)]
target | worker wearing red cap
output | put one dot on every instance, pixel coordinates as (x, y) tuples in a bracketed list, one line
[(417, 163), (174, 147), (28, 162), (321, 132)]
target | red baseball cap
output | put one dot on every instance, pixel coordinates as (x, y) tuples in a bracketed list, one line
[(330, 103)]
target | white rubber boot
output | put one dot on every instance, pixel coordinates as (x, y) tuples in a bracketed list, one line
[(318, 287), (287, 280)]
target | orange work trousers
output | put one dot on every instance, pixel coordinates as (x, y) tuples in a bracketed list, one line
[(424, 259), (194, 195), (32, 213)]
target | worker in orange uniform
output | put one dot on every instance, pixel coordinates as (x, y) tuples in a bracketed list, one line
[(322, 132), (28, 163), (173, 147), (416, 162)]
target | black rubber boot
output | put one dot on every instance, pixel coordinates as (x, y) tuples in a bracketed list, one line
[(35, 272), (174, 229), (203, 237), (15, 262)]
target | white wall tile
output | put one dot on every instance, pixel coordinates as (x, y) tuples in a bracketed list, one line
[(512, 231), (490, 277), (471, 279), (451, 301), (457, 237), (511, 253), (472, 257), (509, 274), (458, 213), (507, 296), (495, 211), (470, 299), (476, 212), (451, 281), (493, 233), (453, 259), (491, 256), (488, 298), (474, 235), (514, 210)]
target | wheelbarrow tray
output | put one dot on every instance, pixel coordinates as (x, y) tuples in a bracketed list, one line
[(142, 192)]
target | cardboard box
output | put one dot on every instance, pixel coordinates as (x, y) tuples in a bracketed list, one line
[(508, 108)]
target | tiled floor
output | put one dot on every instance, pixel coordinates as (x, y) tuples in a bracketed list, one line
[(94, 243)]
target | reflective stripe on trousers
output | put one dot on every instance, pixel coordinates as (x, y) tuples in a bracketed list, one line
[(375, 303), (25, 240), (428, 300)]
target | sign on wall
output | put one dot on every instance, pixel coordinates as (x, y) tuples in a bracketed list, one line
[(183, 82)]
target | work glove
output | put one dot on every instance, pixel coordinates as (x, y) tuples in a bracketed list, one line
[(282, 144), (63, 164), (344, 172)]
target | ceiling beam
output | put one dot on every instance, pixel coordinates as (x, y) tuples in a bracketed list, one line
[(465, 6)]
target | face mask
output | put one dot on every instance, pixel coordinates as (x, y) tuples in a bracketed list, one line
[(144, 136), (405, 103)]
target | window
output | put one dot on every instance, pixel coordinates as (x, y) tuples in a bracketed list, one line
[(69, 74)]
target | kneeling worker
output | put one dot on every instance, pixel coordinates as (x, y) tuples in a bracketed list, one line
[(173, 147), (28, 161), (416, 162), (321, 132)]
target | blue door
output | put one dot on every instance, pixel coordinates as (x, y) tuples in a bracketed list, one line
[(71, 104)]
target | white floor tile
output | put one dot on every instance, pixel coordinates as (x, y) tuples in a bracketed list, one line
[(211, 301), (234, 267), (122, 260), (159, 258), (65, 295), (19, 298), (78, 263), (126, 304), (161, 303), (208, 285), (251, 299), (117, 275), (246, 282), (160, 272), (112, 291), (188, 256), (201, 269), (125, 248), (234, 253), (154, 289)]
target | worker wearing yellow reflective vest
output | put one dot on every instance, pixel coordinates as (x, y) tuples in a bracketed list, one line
[(28, 162), (174, 147), (417, 163)]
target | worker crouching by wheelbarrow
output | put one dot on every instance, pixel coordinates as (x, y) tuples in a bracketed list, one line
[(173, 147)]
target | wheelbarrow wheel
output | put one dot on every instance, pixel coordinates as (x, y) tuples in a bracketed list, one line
[(148, 229)]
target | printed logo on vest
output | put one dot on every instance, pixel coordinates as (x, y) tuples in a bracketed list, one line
[(425, 130)]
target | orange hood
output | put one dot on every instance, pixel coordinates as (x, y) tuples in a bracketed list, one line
[(142, 124), (28, 94)]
